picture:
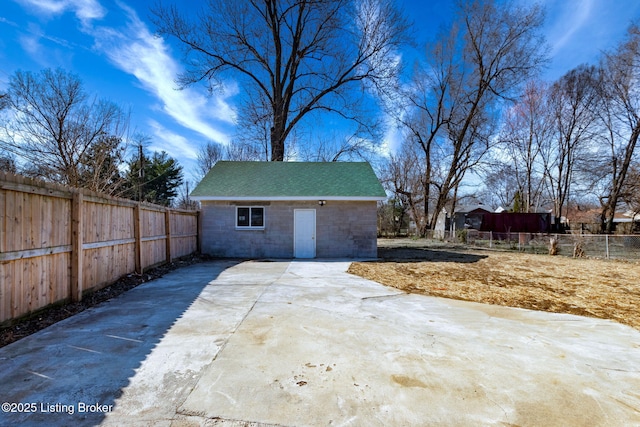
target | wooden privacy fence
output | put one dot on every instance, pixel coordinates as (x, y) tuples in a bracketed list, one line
[(57, 242)]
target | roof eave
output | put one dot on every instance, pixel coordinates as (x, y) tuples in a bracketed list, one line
[(287, 198)]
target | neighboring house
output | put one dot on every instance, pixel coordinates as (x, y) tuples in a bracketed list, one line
[(589, 221), (469, 216), (627, 222), (583, 220), (289, 210)]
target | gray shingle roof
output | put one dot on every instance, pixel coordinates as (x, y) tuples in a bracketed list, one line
[(289, 181)]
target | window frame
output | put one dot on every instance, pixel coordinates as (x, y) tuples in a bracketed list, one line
[(251, 226)]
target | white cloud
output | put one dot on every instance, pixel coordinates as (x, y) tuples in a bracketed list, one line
[(392, 140), (31, 43), (579, 30), (138, 52), (36, 32), (6, 21), (165, 140), (32, 38), (570, 18), (85, 10)]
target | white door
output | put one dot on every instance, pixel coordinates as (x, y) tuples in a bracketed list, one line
[(304, 233)]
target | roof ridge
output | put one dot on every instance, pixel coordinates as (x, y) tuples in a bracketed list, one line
[(235, 180)]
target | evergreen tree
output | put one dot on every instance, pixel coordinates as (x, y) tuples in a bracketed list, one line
[(159, 181), (519, 203)]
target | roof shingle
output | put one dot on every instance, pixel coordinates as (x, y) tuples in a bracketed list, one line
[(289, 181)]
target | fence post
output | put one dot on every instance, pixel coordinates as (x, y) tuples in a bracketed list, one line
[(606, 239), (76, 246), (490, 239), (137, 234), (199, 231), (167, 230)]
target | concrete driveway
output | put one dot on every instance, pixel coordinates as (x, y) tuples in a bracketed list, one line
[(304, 343)]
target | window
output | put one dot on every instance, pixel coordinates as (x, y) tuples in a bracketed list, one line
[(252, 217)]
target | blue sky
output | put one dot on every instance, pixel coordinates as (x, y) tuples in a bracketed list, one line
[(111, 46)]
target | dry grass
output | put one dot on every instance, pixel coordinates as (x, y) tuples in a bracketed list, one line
[(588, 287)]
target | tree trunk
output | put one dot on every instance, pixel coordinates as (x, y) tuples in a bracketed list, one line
[(618, 182), (277, 148), (277, 140)]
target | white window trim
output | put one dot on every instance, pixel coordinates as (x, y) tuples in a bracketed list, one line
[(250, 227)]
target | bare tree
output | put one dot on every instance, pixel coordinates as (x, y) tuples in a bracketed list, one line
[(242, 152), (573, 103), (403, 175), (620, 113), (500, 185), (7, 162), (336, 148), (208, 156), (488, 53), (183, 201), (60, 132), (631, 189), (524, 136), (100, 165), (293, 57)]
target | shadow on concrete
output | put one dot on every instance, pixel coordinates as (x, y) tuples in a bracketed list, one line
[(88, 359), (406, 254)]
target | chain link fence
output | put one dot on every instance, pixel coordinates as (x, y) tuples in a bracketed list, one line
[(572, 245)]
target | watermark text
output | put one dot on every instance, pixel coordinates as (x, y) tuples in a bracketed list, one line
[(56, 408)]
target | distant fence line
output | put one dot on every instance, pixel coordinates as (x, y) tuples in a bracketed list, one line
[(587, 245), (57, 242)]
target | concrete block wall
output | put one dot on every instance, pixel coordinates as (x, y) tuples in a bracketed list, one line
[(344, 229)]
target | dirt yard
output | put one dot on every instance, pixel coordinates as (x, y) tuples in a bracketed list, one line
[(587, 287)]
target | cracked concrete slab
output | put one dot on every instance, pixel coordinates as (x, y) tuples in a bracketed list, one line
[(327, 348), (304, 343)]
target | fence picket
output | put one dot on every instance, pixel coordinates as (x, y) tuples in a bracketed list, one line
[(57, 243)]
